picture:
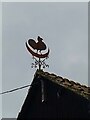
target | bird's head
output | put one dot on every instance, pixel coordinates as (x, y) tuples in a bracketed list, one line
[(39, 38)]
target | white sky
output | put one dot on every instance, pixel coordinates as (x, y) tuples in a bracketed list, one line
[(64, 28)]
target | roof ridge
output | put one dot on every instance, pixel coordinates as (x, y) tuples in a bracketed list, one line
[(83, 90)]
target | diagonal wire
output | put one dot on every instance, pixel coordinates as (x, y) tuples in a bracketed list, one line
[(14, 89)]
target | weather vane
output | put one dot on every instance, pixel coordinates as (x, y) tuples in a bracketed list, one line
[(36, 48)]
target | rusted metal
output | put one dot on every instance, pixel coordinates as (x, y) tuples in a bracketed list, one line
[(39, 46), (36, 54)]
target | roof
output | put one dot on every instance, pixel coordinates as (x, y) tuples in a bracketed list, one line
[(69, 84), (51, 96)]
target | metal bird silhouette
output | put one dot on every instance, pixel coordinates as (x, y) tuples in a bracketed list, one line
[(37, 45)]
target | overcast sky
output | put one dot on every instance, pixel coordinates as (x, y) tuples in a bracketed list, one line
[(64, 28)]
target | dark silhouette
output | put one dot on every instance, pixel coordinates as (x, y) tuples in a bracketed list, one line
[(45, 55), (37, 45), (48, 99)]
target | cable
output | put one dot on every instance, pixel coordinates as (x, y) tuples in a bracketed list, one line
[(14, 89), (19, 88)]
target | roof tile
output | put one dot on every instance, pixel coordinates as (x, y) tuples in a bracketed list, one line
[(76, 87)]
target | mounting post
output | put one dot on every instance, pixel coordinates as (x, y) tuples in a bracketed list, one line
[(39, 64)]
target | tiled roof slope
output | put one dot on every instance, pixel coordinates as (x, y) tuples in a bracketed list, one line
[(76, 87)]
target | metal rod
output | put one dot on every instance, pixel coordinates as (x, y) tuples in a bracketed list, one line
[(39, 64)]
